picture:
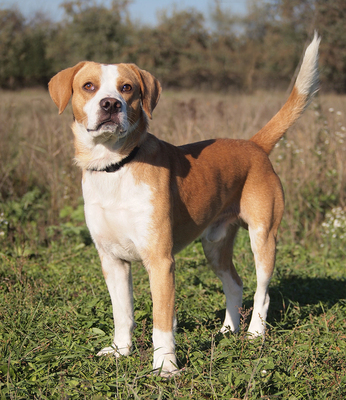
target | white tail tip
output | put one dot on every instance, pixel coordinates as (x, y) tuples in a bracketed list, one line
[(307, 81)]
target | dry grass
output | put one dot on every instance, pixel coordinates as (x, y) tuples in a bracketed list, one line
[(36, 149), (55, 310), (37, 152), (309, 160)]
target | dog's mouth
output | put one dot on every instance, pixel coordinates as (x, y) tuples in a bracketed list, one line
[(108, 126), (108, 123)]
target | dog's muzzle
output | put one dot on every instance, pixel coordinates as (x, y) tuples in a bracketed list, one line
[(110, 118)]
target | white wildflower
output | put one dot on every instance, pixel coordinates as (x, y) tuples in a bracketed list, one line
[(337, 223), (334, 225)]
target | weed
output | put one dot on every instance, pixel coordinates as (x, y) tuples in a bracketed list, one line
[(55, 311)]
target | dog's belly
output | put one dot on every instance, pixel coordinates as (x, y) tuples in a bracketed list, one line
[(118, 214)]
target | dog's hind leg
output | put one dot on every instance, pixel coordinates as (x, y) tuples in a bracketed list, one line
[(263, 228), (217, 243), (263, 244)]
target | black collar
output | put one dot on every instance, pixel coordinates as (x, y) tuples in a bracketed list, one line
[(116, 166)]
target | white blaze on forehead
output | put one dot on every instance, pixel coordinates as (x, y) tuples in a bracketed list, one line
[(108, 88), (110, 75)]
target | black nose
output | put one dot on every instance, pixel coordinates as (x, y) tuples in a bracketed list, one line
[(110, 105)]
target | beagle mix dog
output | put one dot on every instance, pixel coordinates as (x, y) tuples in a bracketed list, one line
[(145, 199)]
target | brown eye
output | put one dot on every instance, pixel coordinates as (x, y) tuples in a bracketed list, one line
[(89, 87), (126, 88)]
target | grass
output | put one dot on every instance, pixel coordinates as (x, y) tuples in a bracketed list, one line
[(55, 311), (56, 314)]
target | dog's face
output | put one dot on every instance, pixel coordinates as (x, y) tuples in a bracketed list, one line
[(106, 99)]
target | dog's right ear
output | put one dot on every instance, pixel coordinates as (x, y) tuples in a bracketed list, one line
[(60, 86)]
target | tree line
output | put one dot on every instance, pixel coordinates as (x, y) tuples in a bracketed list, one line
[(185, 49)]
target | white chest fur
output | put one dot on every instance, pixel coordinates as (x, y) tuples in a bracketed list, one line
[(118, 212)]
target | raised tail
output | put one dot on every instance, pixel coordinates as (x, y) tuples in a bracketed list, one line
[(303, 91)]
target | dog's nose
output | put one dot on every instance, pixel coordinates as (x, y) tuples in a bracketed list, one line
[(110, 105)]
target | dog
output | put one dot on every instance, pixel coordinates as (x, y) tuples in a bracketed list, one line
[(145, 199)]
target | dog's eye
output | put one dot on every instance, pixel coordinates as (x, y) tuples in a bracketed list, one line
[(89, 87), (126, 88)]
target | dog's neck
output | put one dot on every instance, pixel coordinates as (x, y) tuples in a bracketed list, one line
[(116, 166), (99, 154)]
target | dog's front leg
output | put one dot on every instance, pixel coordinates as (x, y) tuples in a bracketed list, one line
[(118, 278), (161, 274)]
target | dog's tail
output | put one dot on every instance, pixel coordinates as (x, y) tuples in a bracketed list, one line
[(305, 87)]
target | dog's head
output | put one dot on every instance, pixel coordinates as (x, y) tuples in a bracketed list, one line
[(106, 99)]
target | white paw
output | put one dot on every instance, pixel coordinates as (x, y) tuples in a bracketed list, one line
[(256, 331), (227, 328), (165, 365), (116, 351)]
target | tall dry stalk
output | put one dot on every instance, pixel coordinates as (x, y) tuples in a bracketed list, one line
[(37, 151)]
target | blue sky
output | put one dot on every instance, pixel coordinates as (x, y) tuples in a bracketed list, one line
[(143, 10)]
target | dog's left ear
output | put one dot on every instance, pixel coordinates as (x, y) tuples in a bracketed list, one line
[(150, 89), (60, 86)]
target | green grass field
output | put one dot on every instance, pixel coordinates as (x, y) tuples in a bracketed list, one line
[(55, 311)]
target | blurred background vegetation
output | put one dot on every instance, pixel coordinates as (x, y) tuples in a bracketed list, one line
[(186, 49)]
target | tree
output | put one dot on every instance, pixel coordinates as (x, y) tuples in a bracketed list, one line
[(35, 65), (12, 29), (92, 32), (176, 51), (259, 49), (330, 20), (23, 49)]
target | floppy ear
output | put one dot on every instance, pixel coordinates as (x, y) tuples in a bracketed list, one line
[(60, 86), (150, 89)]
